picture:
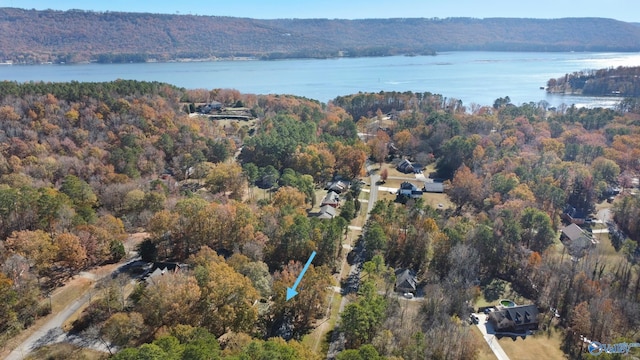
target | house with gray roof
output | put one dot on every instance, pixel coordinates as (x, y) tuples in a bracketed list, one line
[(406, 281), (327, 212), (331, 199)]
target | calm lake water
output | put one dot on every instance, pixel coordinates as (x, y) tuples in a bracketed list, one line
[(473, 77)]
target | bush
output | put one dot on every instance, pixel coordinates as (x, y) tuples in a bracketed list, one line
[(117, 250)]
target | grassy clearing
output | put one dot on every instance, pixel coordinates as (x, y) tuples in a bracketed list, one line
[(542, 345), (484, 351), (606, 250), (434, 199), (317, 339)]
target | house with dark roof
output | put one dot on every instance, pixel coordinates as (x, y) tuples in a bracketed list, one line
[(521, 318), (405, 166), (573, 216), (162, 268), (331, 199), (406, 281)]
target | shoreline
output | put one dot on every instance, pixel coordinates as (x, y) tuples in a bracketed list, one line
[(214, 59)]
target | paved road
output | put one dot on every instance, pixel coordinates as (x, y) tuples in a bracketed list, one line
[(487, 333), (51, 332), (337, 342), (53, 326), (373, 194)]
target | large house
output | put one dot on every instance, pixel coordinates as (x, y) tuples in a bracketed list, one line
[(210, 107), (576, 240), (572, 233), (409, 190), (515, 319), (162, 268)]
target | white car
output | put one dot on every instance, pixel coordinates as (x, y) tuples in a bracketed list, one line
[(408, 295)]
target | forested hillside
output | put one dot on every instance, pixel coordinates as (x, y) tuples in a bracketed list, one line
[(30, 36), (231, 205)]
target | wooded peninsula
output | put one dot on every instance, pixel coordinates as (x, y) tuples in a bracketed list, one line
[(621, 81), (49, 36)]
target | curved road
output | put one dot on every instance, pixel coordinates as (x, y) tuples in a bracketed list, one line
[(51, 332), (48, 328)]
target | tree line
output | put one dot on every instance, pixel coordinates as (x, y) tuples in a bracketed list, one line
[(34, 36)]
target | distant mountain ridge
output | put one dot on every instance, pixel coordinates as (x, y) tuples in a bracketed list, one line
[(33, 36)]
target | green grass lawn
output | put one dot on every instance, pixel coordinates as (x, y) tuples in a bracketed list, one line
[(604, 251), (542, 345), (492, 293)]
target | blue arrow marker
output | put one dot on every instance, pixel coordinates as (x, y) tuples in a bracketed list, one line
[(291, 292)]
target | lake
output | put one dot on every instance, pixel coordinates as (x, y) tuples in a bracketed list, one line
[(473, 77)]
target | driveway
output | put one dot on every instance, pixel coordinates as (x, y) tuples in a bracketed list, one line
[(604, 215), (488, 334), (51, 332)]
